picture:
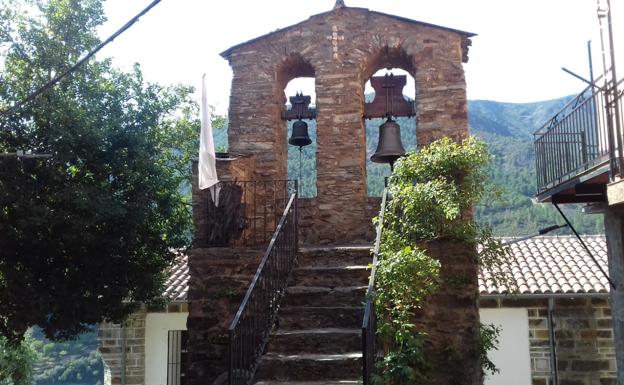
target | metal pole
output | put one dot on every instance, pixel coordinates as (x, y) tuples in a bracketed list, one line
[(614, 81), (539, 232), (552, 343), (613, 164), (591, 66), (591, 255), (123, 353)]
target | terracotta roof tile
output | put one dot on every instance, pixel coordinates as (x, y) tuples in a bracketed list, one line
[(559, 265), (176, 285), (541, 265)]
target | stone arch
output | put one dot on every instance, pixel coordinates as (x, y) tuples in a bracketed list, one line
[(292, 67), (385, 58), (388, 57)]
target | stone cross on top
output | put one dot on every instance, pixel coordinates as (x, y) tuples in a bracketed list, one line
[(335, 37)]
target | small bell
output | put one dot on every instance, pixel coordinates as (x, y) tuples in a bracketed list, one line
[(389, 148), (299, 136)]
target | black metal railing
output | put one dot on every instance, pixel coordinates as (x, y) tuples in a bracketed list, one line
[(251, 327), (369, 321), (245, 213), (177, 357), (577, 139)]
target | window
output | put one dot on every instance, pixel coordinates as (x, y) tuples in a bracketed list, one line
[(177, 354)]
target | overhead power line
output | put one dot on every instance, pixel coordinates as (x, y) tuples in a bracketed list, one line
[(80, 62)]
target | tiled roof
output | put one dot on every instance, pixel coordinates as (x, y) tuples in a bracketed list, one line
[(541, 265), (552, 265), (176, 285)]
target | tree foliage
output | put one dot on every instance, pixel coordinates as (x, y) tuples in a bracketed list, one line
[(16, 361), (90, 228)]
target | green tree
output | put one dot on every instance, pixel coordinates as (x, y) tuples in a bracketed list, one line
[(92, 226), (16, 361)]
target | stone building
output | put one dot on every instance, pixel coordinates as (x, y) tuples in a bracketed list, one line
[(559, 288), (564, 331), (341, 49), (557, 322)]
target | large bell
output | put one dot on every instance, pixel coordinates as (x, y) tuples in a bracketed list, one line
[(389, 148), (299, 136)]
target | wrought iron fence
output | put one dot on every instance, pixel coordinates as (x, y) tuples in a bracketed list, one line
[(577, 139), (245, 213), (251, 327), (369, 322)]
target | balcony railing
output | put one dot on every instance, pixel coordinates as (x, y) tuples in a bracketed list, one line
[(579, 139)]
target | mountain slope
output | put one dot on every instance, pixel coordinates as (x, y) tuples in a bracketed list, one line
[(508, 128)]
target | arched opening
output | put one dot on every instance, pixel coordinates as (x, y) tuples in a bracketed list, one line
[(376, 172), (297, 77)]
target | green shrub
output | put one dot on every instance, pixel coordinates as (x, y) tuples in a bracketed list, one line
[(432, 192)]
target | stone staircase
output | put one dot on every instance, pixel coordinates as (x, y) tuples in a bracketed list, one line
[(318, 339)]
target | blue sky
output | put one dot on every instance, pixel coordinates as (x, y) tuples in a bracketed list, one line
[(516, 57)]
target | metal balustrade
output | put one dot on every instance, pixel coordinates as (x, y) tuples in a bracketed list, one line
[(250, 330)]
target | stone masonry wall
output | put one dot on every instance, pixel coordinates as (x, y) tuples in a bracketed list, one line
[(583, 340), (111, 338), (450, 317), (342, 49), (219, 277)]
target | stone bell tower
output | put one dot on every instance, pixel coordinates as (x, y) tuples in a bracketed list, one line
[(341, 49)]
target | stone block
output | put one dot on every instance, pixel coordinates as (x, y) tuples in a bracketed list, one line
[(589, 365)]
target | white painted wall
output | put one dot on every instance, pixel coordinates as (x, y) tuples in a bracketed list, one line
[(157, 326), (512, 357)]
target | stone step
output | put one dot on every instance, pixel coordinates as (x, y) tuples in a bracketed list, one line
[(324, 296), (330, 276), (303, 317), (317, 341), (335, 256), (310, 367)]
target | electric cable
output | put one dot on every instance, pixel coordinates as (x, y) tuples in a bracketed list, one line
[(79, 63)]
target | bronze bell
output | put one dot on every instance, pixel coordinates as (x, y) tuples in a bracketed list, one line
[(299, 136), (389, 148)]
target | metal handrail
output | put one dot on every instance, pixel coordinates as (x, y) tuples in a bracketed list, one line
[(250, 329), (369, 321)]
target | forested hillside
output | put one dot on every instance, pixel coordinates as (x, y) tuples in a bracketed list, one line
[(508, 129)]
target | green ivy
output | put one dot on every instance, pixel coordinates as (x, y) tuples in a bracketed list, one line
[(488, 340), (432, 192)]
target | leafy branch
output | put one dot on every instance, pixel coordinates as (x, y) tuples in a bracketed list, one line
[(432, 195)]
